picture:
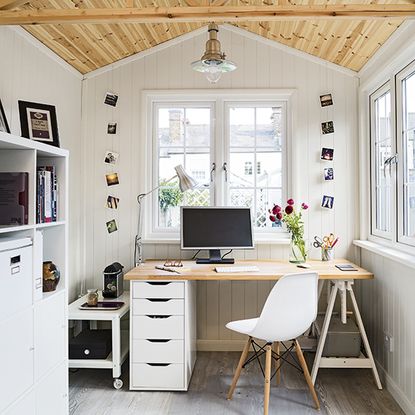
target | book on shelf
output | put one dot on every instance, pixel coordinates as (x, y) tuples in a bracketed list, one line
[(14, 198), (47, 195)]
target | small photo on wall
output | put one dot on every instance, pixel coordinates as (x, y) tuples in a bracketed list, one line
[(329, 173), (327, 153), (112, 128), (327, 127), (112, 226), (112, 179), (111, 157), (326, 100), (111, 99), (112, 202), (327, 202)]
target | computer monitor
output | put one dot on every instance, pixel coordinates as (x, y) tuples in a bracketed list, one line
[(216, 228)]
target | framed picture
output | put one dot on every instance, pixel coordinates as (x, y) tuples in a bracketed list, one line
[(112, 179), (329, 173), (112, 128), (4, 127), (112, 202), (111, 99), (326, 100), (327, 153), (327, 127), (111, 157), (112, 226), (38, 122), (327, 202)]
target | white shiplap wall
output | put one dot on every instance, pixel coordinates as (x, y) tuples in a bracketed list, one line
[(260, 65), (30, 73)]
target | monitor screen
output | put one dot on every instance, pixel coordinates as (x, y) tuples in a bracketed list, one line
[(216, 228)]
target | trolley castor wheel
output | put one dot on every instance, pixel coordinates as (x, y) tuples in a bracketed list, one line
[(118, 383)]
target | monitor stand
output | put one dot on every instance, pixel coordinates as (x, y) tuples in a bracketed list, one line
[(215, 258)]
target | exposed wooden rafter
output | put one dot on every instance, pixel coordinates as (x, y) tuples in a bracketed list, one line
[(11, 4), (207, 13)]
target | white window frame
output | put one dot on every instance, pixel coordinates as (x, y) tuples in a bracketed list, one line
[(397, 240), (387, 235), (404, 73), (218, 98)]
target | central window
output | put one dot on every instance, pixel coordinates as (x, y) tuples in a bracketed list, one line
[(234, 149)]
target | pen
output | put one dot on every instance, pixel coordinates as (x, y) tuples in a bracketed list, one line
[(167, 269), (335, 242)]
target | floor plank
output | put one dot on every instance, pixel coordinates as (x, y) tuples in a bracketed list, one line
[(341, 392)]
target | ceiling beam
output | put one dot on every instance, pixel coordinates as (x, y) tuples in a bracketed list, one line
[(11, 4), (207, 14)]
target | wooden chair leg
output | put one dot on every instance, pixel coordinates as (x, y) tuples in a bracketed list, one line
[(277, 364), (267, 384), (239, 368), (306, 373)]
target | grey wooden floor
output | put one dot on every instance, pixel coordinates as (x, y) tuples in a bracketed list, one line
[(342, 392)]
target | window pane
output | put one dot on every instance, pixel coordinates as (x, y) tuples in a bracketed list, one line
[(242, 127), (408, 141), (241, 169), (381, 138), (171, 126), (197, 126), (176, 129), (268, 127), (256, 163)]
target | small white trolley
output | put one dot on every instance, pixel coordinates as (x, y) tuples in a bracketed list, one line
[(120, 340)]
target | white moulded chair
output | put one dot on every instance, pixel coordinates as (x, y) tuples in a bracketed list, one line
[(289, 310)]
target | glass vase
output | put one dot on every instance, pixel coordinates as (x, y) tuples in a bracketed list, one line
[(298, 251)]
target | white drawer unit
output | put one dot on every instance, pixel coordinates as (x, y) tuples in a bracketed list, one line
[(158, 327), (158, 289), (158, 306), (158, 351), (16, 275), (158, 376), (162, 334)]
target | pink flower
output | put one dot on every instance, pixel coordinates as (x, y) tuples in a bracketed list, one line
[(272, 218), (279, 215), (289, 209), (276, 209), (304, 206), (290, 202)]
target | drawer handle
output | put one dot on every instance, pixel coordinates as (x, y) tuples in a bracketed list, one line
[(158, 340), (156, 316), (158, 300), (158, 282), (159, 364)]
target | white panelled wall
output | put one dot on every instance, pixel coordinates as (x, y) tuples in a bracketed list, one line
[(260, 65), (30, 72)]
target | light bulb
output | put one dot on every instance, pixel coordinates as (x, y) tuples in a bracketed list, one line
[(213, 74)]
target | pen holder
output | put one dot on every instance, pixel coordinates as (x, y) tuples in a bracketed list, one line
[(326, 254)]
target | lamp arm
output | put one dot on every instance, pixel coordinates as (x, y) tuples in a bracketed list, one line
[(138, 257)]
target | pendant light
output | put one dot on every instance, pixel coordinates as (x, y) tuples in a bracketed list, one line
[(213, 62)]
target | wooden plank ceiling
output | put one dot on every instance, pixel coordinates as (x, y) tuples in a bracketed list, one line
[(346, 42)]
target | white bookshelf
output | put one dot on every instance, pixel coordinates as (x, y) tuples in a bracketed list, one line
[(46, 388)]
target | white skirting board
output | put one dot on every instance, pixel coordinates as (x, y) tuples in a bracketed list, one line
[(403, 401)]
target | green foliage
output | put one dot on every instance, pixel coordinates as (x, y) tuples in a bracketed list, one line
[(295, 226), (169, 196)]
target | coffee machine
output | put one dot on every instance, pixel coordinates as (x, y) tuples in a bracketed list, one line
[(113, 280)]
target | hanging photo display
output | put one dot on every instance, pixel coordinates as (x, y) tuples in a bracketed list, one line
[(112, 128), (112, 202), (327, 127), (111, 99), (327, 153), (112, 226), (327, 202), (329, 173), (326, 100), (112, 179), (111, 157)]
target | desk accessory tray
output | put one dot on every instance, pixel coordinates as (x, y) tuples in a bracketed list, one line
[(103, 305)]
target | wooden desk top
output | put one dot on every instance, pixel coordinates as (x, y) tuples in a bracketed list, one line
[(268, 270)]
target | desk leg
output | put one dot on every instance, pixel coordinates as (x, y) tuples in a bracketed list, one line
[(359, 322), (324, 331), (116, 347), (312, 331)]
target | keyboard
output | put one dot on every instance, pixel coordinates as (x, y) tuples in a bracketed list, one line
[(242, 268)]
